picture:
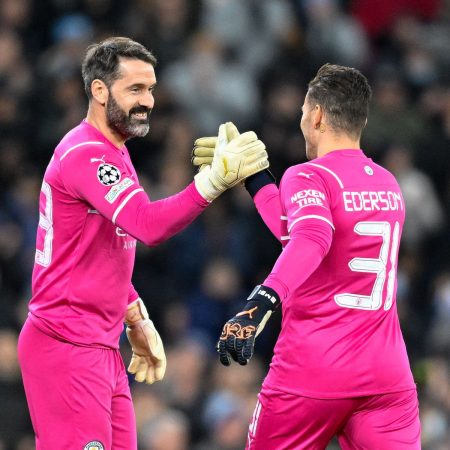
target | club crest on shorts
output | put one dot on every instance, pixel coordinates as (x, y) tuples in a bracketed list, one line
[(108, 174), (94, 445)]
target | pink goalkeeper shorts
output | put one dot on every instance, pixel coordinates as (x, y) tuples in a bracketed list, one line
[(378, 422), (78, 397)]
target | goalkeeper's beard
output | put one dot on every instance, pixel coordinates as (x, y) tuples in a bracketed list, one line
[(125, 124)]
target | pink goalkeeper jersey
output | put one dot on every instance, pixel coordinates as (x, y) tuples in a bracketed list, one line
[(342, 217), (92, 210)]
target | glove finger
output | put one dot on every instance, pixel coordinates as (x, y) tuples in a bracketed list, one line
[(206, 142), (200, 160), (150, 376), (134, 364), (141, 373), (222, 140), (248, 348), (231, 347), (203, 151), (223, 354), (160, 369), (232, 131), (246, 138), (240, 345), (254, 147), (254, 157)]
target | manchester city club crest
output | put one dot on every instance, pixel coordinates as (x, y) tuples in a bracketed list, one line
[(94, 445)]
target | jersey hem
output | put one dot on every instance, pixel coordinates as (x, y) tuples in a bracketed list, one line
[(338, 395), (41, 325)]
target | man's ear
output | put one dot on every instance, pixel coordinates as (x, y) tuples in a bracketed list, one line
[(317, 116), (99, 91)]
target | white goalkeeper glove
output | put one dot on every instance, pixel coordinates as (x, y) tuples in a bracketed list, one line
[(203, 154), (203, 151), (236, 157), (149, 360)]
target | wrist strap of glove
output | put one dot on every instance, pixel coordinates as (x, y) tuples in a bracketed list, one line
[(136, 313), (259, 302), (255, 182)]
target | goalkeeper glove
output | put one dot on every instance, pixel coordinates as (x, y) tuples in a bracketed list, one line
[(237, 340), (149, 360), (203, 153), (236, 157)]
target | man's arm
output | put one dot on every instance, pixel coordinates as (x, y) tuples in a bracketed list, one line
[(155, 222), (125, 203), (306, 249), (310, 228)]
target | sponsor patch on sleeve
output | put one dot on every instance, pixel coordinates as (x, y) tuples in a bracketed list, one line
[(308, 197), (116, 190)]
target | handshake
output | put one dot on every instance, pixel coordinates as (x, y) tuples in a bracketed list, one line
[(226, 160)]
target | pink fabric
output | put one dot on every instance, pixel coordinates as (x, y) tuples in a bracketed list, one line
[(75, 395), (291, 422), (340, 333), (314, 238), (86, 240), (132, 294)]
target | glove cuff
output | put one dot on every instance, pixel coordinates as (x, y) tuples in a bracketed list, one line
[(205, 186), (265, 294), (136, 313), (262, 300), (255, 182)]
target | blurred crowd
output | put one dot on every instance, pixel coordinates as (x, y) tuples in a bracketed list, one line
[(246, 61)]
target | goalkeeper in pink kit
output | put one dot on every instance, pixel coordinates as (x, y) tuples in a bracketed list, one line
[(92, 210), (340, 367)]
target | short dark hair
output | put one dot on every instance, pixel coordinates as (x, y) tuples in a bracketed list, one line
[(344, 93), (102, 60)]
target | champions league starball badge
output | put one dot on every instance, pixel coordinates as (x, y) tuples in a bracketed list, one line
[(108, 174)]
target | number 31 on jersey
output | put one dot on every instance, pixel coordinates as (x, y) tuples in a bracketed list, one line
[(389, 249)]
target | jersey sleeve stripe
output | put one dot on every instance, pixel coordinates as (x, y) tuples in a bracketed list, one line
[(79, 145), (312, 216), (124, 202), (285, 238), (330, 172)]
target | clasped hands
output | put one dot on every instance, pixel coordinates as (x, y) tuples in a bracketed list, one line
[(227, 159)]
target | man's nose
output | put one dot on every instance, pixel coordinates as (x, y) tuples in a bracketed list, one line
[(147, 100)]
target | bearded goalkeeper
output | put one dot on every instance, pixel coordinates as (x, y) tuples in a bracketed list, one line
[(92, 210)]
